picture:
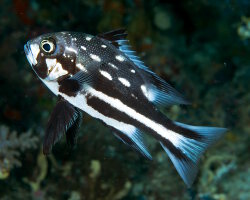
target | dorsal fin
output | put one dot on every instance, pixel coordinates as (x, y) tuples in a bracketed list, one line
[(114, 35), (160, 92), (159, 89), (118, 39)]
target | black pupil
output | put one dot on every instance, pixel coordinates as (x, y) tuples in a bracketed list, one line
[(46, 47)]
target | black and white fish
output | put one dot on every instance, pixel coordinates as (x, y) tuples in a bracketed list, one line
[(103, 77)]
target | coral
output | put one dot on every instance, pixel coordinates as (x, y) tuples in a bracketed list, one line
[(95, 169), (111, 191), (75, 196), (244, 28), (42, 169), (214, 169), (238, 182), (11, 145), (200, 47)]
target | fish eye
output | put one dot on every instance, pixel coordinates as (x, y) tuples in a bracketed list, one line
[(48, 46)]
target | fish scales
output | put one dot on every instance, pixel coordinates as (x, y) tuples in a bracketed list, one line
[(102, 76)]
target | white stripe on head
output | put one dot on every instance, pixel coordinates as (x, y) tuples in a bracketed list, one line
[(106, 74), (50, 63), (56, 72), (35, 51), (30, 58), (124, 81)]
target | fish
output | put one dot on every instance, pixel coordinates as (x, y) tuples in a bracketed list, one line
[(102, 76)]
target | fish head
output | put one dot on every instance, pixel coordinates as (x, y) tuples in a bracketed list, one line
[(52, 56)]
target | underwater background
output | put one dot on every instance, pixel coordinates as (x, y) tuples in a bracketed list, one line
[(201, 47)]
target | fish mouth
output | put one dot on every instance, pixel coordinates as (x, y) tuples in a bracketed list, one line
[(29, 54)]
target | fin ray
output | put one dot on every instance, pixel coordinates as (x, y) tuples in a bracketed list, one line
[(135, 141), (72, 130), (190, 150), (163, 94), (62, 119)]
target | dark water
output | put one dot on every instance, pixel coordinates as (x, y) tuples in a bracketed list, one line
[(200, 47)]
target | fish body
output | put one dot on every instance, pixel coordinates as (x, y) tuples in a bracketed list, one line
[(103, 77)]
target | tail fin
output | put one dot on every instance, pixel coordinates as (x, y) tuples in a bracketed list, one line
[(186, 154)]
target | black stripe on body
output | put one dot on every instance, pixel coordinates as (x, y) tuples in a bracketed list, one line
[(140, 103), (114, 113), (69, 87)]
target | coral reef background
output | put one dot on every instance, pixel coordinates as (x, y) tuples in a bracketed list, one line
[(201, 47)]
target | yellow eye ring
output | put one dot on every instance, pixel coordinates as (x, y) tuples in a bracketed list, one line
[(48, 46)]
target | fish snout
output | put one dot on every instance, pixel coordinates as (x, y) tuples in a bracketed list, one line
[(32, 51)]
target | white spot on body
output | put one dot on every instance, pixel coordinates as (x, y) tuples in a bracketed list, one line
[(88, 38), (144, 90), (72, 60), (71, 49), (148, 93), (95, 57), (120, 58), (134, 96), (124, 81), (81, 67), (106, 74), (42, 54), (74, 39), (84, 48), (132, 71), (103, 46), (112, 65)]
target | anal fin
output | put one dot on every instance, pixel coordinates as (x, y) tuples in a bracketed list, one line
[(135, 141)]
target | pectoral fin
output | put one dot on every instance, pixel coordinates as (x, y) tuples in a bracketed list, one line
[(72, 132), (64, 119)]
